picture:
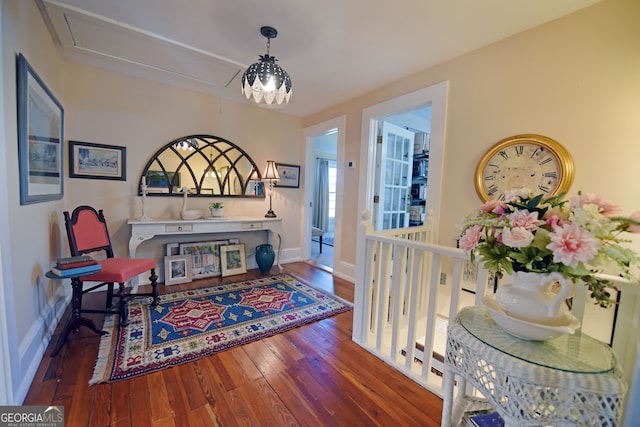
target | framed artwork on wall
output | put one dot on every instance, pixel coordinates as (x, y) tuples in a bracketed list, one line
[(177, 269), (97, 161), (289, 176), (233, 259), (40, 138)]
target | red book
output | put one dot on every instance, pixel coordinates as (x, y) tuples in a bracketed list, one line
[(76, 264)]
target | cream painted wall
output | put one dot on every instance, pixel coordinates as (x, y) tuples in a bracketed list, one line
[(34, 234), (115, 109), (574, 80)]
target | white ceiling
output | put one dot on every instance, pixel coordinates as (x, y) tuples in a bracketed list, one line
[(334, 50)]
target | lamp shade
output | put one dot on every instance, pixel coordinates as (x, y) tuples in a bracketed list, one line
[(265, 81), (254, 175), (270, 172)]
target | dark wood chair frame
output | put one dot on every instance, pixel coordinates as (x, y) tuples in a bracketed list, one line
[(123, 295)]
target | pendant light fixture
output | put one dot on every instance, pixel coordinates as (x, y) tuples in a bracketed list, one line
[(265, 81)]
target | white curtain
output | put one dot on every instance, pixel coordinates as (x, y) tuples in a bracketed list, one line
[(321, 205)]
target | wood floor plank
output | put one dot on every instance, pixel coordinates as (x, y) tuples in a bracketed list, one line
[(384, 382), (328, 400), (159, 399), (81, 402), (195, 396), (302, 408), (266, 408), (210, 383), (120, 402), (313, 375), (242, 415), (100, 406), (235, 368), (369, 395), (283, 350), (140, 401), (206, 381), (275, 405), (364, 398), (177, 394), (203, 416), (263, 358)]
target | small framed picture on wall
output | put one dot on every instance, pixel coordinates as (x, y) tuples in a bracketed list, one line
[(97, 161), (289, 176)]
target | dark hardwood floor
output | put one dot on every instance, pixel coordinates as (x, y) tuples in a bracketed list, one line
[(313, 375)]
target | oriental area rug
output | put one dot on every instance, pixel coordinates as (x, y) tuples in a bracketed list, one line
[(188, 325)]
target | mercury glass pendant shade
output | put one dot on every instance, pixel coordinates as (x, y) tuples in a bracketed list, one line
[(265, 81)]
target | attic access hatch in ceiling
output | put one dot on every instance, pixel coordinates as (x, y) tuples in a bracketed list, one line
[(76, 30)]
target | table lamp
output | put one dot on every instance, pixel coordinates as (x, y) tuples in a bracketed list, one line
[(270, 174)]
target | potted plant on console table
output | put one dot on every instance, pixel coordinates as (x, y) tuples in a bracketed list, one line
[(216, 209)]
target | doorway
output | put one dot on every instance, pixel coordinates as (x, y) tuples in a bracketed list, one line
[(324, 155), (398, 114), (323, 206)]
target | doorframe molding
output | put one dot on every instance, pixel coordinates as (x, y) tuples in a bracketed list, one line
[(436, 95), (310, 132)]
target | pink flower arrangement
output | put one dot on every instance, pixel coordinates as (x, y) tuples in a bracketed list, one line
[(576, 238)]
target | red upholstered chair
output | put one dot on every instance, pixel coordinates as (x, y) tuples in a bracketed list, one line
[(87, 233)]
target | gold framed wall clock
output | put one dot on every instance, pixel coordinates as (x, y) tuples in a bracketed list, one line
[(530, 161)]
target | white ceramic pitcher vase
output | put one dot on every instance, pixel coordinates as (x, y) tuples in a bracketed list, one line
[(532, 297)]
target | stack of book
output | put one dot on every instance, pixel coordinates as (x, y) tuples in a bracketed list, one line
[(75, 266), (482, 418)]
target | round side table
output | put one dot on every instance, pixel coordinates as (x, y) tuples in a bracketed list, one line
[(567, 381), (75, 320)]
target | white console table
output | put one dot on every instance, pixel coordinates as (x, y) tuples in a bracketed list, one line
[(142, 231)]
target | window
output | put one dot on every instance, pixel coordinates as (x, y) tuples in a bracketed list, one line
[(332, 189)]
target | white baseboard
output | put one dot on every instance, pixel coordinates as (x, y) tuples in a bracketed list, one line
[(345, 271), (32, 348)]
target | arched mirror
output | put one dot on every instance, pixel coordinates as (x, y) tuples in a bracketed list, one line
[(206, 165)]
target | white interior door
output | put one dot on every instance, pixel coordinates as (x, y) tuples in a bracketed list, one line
[(394, 157)]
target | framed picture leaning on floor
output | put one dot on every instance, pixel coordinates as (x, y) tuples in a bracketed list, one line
[(233, 259), (205, 257), (177, 269)]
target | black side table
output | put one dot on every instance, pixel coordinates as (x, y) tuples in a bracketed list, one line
[(76, 320)]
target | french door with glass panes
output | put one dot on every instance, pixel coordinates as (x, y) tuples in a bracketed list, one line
[(394, 157)]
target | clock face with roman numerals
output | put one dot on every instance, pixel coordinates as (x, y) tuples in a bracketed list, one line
[(534, 162)]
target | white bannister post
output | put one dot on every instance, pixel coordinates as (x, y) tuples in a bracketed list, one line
[(362, 277)]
